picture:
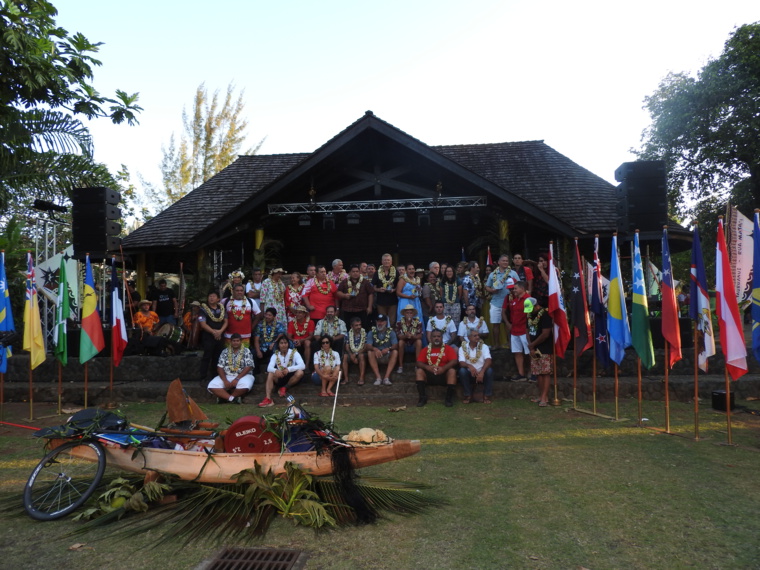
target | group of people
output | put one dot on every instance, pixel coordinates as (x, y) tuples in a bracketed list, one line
[(326, 321)]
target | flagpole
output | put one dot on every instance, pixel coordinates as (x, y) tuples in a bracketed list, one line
[(60, 384), (696, 381), (555, 401), (640, 398), (667, 387), (575, 378), (617, 414), (728, 405), (86, 365), (31, 389), (593, 375)]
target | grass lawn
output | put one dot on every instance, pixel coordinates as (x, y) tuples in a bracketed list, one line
[(528, 487)]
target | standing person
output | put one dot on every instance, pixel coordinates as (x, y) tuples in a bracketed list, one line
[(326, 366), (253, 287), (524, 272), (385, 282), (472, 287), (471, 322), (320, 296), (213, 321), (133, 302), (234, 278), (541, 347), (409, 335), (541, 280), (356, 350), (301, 331), (293, 295), (436, 364), (435, 269), (452, 296), (516, 320), (165, 304), (431, 292), (242, 313), (337, 275), (486, 305), (382, 349), (191, 326), (234, 379), (497, 286), (442, 323), (285, 369), (357, 296), (409, 290), (308, 280), (267, 332), (475, 366), (272, 294)]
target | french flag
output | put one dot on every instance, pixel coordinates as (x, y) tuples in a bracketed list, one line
[(118, 329)]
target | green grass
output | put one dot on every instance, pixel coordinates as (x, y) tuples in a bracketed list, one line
[(528, 488)]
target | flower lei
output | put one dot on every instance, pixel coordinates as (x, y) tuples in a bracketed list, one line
[(210, 312), (477, 327), (411, 328), (440, 356), (448, 297), (235, 360), (268, 332), (327, 285), (534, 322), (352, 345), (295, 293), (350, 285), (288, 364), (301, 332), (238, 312), (499, 278), (377, 334), (477, 285), (324, 357), (387, 283), (330, 328), (337, 278), (433, 320), (278, 291), (478, 352), (435, 290)]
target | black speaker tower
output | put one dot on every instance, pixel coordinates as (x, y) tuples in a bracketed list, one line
[(94, 212), (642, 196)]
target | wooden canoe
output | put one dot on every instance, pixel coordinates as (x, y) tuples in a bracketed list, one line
[(220, 467)]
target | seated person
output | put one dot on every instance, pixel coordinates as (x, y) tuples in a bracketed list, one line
[(285, 370), (264, 336), (326, 366), (301, 331), (409, 335), (356, 350), (443, 323), (147, 323), (471, 322), (234, 379), (475, 365), (333, 327), (192, 327), (383, 348), (436, 364)]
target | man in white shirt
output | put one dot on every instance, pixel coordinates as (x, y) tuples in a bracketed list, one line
[(471, 322), (443, 323), (475, 366)]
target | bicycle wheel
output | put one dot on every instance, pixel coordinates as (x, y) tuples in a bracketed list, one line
[(64, 480)]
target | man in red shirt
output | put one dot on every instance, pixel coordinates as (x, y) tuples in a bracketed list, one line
[(436, 363), (513, 315)]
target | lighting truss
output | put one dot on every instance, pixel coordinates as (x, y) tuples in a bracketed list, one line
[(377, 205)]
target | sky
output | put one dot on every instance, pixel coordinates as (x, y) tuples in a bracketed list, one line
[(573, 74)]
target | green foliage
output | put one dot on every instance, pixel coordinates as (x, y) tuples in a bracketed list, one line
[(705, 127)]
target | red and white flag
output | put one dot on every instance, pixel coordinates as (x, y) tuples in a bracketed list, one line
[(727, 309), (557, 309), (489, 259), (118, 330)]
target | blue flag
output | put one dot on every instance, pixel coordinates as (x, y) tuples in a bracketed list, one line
[(6, 316), (756, 289), (601, 340), (617, 317)]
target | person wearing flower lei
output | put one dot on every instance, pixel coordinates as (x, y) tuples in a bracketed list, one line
[(253, 287), (385, 282), (471, 322), (451, 291), (266, 333), (293, 294), (409, 334), (326, 366), (300, 332), (273, 294), (382, 349), (435, 364), (357, 297), (234, 278), (356, 350), (338, 274), (514, 317), (497, 285), (333, 327), (541, 346), (320, 296), (442, 323), (431, 292), (475, 366), (286, 368), (213, 322), (234, 379), (409, 290), (243, 314), (472, 286)]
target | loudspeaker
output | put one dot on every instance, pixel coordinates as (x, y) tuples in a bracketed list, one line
[(94, 213), (719, 400), (684, 325), (642, 197)]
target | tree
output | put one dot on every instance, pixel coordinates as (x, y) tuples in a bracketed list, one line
[(705, 127), (212, 139), (45, 89)]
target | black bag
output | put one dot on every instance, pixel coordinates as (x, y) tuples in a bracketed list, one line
[(86, 422)]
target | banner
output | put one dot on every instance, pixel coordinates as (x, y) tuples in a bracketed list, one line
[(740, 245), (48, 273), (729, 321)]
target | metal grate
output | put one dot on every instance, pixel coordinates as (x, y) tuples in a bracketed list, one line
[(256, 559), (377, 205)]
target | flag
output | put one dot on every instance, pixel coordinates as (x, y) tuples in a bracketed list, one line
[(62, 313), (755, 310), (118, 329), (601, 339), (670, 329), (727, 308), (641, 332), (579, 306), (699, 306), (489, 259), (740, 245), (91, 340), (6, 315), (557, 309), (33, 339), (654, 278), (617, 318)]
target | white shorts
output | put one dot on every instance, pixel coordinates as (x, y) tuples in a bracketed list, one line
[(495, 315), (520, 344), (245, 383)]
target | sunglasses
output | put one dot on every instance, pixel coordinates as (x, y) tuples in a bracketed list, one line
[(325, 342)]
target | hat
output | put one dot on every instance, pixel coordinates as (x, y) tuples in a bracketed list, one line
[(276, 270), (382, 318), (530, 304), (419, 270), (237, 273), (195, 304), (409, 307), (510, 283), (301, 308), (141, 303)]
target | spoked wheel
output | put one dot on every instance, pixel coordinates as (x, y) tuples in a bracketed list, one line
[(64, 480)]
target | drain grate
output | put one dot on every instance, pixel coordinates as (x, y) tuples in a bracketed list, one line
[(257, 559)]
